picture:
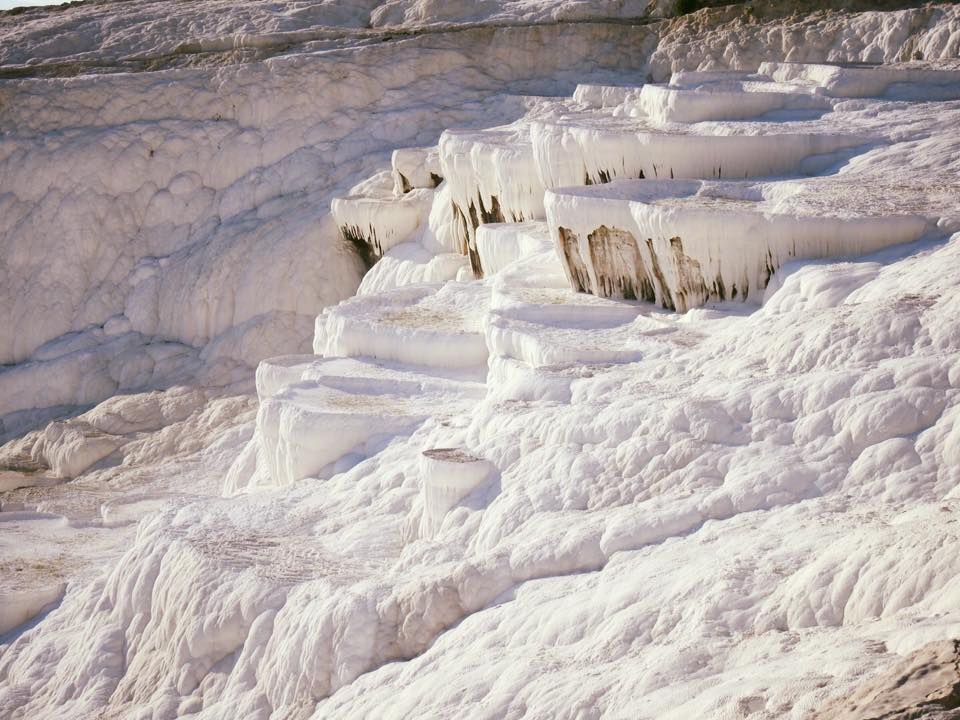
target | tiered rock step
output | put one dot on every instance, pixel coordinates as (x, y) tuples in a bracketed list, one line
[(914, 79), (278, 374), (501, 244), (417, 167), (684, 78), (390, 361), (605, 96), (543, 336), (447, 476), (732, 99), (315, 412), (411, 264), (275, 374), (593, 147), (492, 178), (425, 325), (375, 219), (683, 243)]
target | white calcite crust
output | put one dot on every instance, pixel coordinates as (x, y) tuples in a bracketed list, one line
[(492, 178), (412, 264), (867, 81), (723, 100), (303, 430), (380, 223), (193, 206), (447, 475), (418, 325), (315, 413), (590, 148), (602, 96), (494, 497), (415, 168), (30, 586), (499, 245), (680, 244)]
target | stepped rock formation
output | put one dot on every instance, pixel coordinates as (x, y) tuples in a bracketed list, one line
[(501, 359)]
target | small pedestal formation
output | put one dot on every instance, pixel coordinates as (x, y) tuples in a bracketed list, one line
[(447, 476)]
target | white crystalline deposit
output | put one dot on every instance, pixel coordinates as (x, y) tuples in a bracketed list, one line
[(85, 367), (481, 498), (30, 584), (191, 204), (447, 476), (680, 243), (543, 336), (433, 254), (179, 231), (314, 413), (277, 373), (375, 219), (492, 178), (501, 244), (418, 325), (415, 168), (722, 101), (870, 81), (129, 456), (601, 96), (592, 147), (411, 264), (67, 448), (302, 430), (568, 221), (134, 202)]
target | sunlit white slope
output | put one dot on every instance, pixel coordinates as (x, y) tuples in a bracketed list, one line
[(193, 206), (506, 498), (175, 234), (830, 421)]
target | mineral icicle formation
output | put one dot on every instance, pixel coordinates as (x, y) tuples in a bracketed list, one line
[(680, 244)]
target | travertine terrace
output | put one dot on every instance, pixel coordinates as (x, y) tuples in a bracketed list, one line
[(501, 359)]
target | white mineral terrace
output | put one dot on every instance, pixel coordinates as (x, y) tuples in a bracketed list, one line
[(722, 100), (449, 475), (575, 394), (591, 148), (918, 79), (419, 325), (682, 243), (671, 242), (492, 179), (601, 96), (415, 168), (501, 244), (374, 217)]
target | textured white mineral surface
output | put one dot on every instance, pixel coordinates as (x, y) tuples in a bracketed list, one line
[(479, 359)]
